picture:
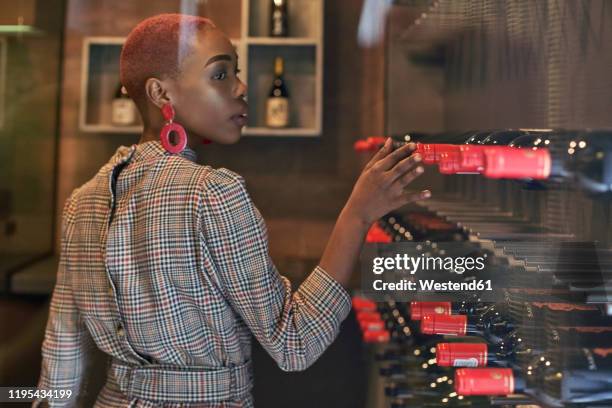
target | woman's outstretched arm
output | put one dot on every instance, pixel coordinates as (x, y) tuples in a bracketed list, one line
[(295, 327), (379, 189)]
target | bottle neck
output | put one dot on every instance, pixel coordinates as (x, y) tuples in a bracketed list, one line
[(279, 67), (493, 329)]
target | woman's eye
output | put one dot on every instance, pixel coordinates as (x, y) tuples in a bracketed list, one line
[(220, 76)]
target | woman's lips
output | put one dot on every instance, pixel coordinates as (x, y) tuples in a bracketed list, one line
[(240, 120)]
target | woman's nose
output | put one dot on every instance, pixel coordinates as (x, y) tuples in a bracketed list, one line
[(241, 89)]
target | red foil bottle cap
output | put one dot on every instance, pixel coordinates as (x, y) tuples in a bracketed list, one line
[(419, 309), (377, 234), (376, 336), (376, 141), (514, 163), (363, 304), (472, 158), (461, 354), (368, 316), (440, 324), (484, 381), (369, 325), (427, 152), (449, 162), (361, 146), (445, 148)]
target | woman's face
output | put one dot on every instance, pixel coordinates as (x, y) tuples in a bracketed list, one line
[(207, 95)]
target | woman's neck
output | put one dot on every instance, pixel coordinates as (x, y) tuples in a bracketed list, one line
[(150, 135)]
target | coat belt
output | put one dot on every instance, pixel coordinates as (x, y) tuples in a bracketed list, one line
[(183, 384)]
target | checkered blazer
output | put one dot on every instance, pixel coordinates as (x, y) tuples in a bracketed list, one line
[(164, 266)]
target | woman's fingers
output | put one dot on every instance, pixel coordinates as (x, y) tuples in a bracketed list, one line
[(405, 166), (407, 178), (410, 197), (391, 159), (382, 152)]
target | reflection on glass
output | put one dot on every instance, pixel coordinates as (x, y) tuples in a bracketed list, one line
[(30, 51)]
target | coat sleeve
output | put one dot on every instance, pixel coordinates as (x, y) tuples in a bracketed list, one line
[(67, 343), (295, 328)]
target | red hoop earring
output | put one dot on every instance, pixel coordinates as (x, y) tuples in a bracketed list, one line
[(168, 113)]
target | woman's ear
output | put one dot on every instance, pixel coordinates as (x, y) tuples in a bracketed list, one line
[(156, 92)]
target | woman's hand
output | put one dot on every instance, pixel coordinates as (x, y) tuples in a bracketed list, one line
[(380, 187)]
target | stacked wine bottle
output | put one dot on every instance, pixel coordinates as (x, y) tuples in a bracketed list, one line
[(548, 342)]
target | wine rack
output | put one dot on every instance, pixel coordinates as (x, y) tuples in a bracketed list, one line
[(99, 79), (554, 314), (246, 22)]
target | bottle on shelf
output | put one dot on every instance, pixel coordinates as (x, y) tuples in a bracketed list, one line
[(582, 158), (123, 110), (590, 159), (439, 392), (279, 18), (420, 309), (494, 328), (551, 384), (277, 105), (480, 354)]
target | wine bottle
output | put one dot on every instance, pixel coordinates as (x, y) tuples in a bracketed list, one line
[(438, 393), (123, 108), (408, 369), (425, 351), (480, 354), (590, 159), (277, 109), (279, 18), (419, 309), (581, 158), (493, 328), (556, 386), (396, 324), (502, 137)]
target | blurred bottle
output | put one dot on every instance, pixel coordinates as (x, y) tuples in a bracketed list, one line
[(277, 108), (123, 108), (556, 386), (279, 18)]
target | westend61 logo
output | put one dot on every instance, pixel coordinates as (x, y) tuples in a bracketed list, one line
[(413, 264)]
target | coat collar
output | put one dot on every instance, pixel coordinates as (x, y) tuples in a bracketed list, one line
[(148, 151)]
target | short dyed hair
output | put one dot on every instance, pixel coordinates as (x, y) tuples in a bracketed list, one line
[(155, 48)]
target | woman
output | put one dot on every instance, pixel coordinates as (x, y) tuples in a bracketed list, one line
[(164, 263)]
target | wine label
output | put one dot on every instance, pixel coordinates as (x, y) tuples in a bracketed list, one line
[(602, 352), (123, 112), (565, 307), (277, 23), (461, 354), (277, 112), (465, 362)]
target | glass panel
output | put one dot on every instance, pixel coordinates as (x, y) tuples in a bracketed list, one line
[(30, 67)]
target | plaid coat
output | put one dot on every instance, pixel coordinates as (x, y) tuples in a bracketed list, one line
[(164, 266)]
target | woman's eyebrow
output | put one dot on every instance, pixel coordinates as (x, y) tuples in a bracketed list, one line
[(220, 57)]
